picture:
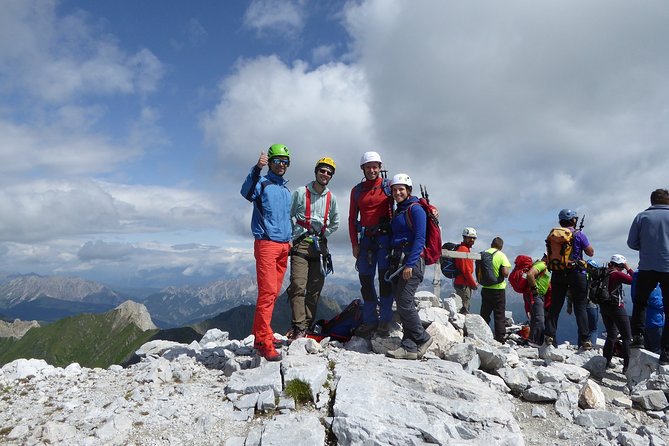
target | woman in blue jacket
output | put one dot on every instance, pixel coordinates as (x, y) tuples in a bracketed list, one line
[(408, 240)]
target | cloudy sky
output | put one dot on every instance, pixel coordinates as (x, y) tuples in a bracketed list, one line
[(127, 128)]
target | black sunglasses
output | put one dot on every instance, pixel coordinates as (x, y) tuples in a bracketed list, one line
[(325, 172)]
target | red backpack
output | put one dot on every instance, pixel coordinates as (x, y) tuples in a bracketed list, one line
[(432, 250), (518, 276)]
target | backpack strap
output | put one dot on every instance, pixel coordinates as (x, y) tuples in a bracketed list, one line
[(306, 223)]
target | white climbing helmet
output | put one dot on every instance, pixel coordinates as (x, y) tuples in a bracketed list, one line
[(618, 259), (401, 178), (370, 157), (469, 232)]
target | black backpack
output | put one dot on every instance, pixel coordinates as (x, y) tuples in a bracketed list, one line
[(485, 273), (598, 287), (448, 267)]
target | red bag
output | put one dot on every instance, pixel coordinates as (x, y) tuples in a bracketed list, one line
[(432, 250), (518, 276)]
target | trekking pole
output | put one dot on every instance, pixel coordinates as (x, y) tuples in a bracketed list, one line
[(424, 194), (580, 228)]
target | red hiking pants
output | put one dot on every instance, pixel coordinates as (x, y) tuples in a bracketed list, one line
[(271, 263)]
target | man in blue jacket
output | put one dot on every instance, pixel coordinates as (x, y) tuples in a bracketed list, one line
[(649, 234), (271, 228)]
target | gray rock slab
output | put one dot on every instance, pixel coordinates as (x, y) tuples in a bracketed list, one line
[(572, 372), (492, 380), (293, 430), (388, 401), (642, 364), (248, 401), (599, 419), (434, 314), (515, 377), (540, 394), (464, 354), (214, 335), (360, 345), (475, 327), (267, 376), (650, 399), (304, 346), (266, 401), (567, 403), (312, 370), (491, 357), (443, 336)]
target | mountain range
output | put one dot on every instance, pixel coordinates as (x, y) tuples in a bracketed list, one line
[(50, 298)]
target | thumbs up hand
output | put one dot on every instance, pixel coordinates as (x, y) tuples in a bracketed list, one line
[(263, 160)]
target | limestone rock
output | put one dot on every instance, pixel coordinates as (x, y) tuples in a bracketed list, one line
[(650, 399), (132, 312), (476, 328), (591, 396)]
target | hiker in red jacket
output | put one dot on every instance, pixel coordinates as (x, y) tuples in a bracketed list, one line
[(369, 215), (465, 283)]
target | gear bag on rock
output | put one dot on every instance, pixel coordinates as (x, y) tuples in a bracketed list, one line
[(340, 327)]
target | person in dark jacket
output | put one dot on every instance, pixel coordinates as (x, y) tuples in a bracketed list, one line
[(408, 267), (614, 315)]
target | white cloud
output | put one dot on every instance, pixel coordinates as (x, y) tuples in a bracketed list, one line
[(49, 209), (280, 17), (52, 150), (524, 107), (316, 113), (57, 59)]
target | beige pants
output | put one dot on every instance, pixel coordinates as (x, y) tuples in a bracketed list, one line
[(306, 283), (465, 294)]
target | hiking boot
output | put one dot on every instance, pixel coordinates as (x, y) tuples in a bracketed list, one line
[(637, 342), (548, 340), (422, 349), (402, 353), (383, 329), (297, 333), (365, 330), (664, 358), (268, 351), (587, 345)]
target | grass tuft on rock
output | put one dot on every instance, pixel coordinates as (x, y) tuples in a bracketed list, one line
[(298, 390)]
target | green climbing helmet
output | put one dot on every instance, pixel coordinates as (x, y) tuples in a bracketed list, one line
[(278, 150)]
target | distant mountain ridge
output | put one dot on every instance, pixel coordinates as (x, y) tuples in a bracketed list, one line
[(30, 287), (93, 340)]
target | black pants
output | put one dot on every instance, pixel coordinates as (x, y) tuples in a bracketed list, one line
[(616, 321), (413, 332), (576, 283), (646, 282), (494, 301), (537, 319)]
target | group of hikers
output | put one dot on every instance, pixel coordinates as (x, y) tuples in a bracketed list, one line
[(389, 229)]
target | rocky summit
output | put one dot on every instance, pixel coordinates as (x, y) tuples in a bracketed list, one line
[(468, 389)]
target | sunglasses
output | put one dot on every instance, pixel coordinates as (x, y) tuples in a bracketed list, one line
[(277, 161), (325, 172)]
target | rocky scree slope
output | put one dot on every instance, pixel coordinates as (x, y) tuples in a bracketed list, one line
[(468, 390)]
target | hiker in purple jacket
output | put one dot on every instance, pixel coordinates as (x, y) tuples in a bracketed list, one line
[(408, 267)]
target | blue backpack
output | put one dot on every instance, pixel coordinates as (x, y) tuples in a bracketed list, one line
[(448, 267)]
